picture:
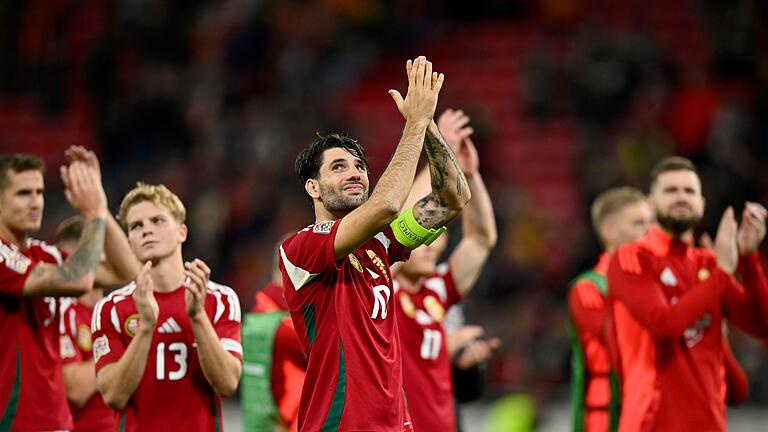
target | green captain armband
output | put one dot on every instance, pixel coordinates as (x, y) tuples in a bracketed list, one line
[(410, 234)]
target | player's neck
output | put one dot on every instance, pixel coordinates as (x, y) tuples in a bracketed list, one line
[(91, 297), (168, 273), (408, 282), (18, 238), (685, 237), (322, 214)]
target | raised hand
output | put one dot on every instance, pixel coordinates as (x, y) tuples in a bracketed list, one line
[(88, 157), (423, 89), (197, 274), (752, 229), (144, 298), (83, 190), (725, 248), (454, 126)]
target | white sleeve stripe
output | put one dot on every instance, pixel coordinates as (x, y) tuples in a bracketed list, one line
[(382, 238), (96, 318), (232, 345), (219, 306), (115, 320), (52, 251), (232, 301), (72, 322), (299, 277)]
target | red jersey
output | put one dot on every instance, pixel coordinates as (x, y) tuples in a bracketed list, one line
[(345, 320), (29, 337), (75, 347), (426, 365), (288, 362), (668, 302), (173, 393), (589, 311)]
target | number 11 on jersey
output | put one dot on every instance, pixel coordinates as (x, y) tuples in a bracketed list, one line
[(430, 345)]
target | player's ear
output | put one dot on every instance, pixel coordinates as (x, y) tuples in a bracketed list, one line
[(313, 188), (183, 231)]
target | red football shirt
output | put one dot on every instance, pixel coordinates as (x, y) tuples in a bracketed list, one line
[(173, 393), (344, 317), (32, 395), (668, 302), (426, 365), (590, 312), (75, 328)]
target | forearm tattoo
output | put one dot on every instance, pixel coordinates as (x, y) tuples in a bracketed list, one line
[(443, 167), (87, 256)]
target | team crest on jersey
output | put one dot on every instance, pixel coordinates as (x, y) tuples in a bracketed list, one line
[(84, 337), (703, 274), (434, 308), (355, 263), (16, 262), (409, 309), (323, 227), (100, 347), (66, 348), (377, 262), (131, 325)]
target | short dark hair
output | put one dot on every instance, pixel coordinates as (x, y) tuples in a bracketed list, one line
[(611, 201), (18, 162), (311, 158), (70, 229), (672, 163)]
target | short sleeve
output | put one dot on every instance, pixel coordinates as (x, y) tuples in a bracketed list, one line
[(15, 267), (68, 335), (395, 251), (308, 253), (227, 317), (107, 344), (14, 270)]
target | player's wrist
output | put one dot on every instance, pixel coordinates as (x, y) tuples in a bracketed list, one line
[(198, 316), (146, 327), (417, 122)]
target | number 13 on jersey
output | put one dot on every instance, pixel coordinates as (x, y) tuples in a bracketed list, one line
[(179, 351)]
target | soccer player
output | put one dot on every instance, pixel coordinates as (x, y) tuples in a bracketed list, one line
[(336, 276), (275, 364), (619, 215), (89, 412), (424, 290), (167, 346), (34, 274), (669, 300)]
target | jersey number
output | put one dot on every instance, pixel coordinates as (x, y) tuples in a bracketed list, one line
[(430, 345), (180, 358), (379, 302)]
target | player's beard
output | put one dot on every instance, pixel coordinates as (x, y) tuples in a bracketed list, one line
[(335, 201), (677, 226)]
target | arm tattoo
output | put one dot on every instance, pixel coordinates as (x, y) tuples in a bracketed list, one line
[(442, 164), (431, 212), (86, 257)]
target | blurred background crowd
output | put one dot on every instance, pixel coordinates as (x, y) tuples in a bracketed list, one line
[(567, 97)]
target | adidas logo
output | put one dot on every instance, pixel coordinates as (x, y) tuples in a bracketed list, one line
[(169, 326)]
